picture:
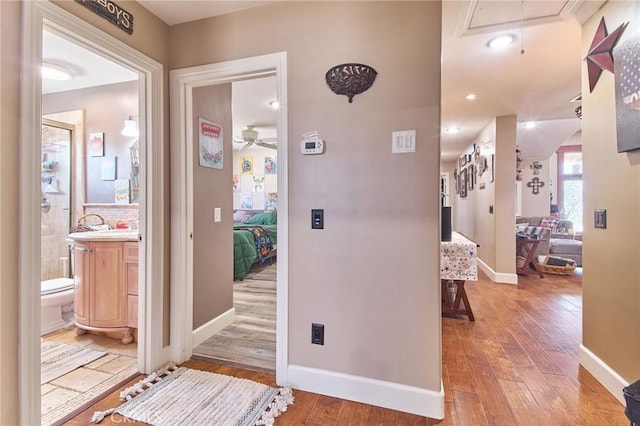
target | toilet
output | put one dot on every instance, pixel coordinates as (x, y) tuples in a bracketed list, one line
[(56, 304)]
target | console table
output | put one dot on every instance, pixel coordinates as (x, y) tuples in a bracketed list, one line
[(458, 264)]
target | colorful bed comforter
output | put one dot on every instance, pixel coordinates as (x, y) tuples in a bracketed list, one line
[(251, 243)]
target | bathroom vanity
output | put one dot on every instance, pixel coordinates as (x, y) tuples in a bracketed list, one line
[(106, 281)]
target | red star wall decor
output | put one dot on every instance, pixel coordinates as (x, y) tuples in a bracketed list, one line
[(600, 54)]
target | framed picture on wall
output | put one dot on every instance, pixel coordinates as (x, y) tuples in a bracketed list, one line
[(96, 144), (471, 177), (462, 178), (462, 160)]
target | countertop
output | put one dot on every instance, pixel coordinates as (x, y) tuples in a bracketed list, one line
[(108, 235)]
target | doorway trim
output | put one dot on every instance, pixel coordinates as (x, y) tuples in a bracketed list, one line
[(182, 84), (151, 354)]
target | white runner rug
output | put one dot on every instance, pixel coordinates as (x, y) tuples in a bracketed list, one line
[(57, 359), (182, 396)]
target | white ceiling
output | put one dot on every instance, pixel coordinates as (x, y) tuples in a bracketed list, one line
[(537, 85), (90, 69)]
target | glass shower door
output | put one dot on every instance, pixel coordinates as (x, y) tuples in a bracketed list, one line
[(56, 200)]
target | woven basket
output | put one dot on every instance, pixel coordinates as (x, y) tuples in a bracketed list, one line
[(560, 270), (82, 226)]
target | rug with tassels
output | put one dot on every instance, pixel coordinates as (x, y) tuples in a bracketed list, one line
[(183, 396)]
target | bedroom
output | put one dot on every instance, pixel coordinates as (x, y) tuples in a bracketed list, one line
[(250, 339)]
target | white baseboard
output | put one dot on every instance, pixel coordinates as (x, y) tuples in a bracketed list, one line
[(212, 327), (611, 380), (409, 399), (498, 277)]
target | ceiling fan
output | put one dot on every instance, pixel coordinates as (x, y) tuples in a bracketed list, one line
[(249, 136)]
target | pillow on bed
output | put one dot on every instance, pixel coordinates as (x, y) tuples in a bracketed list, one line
[(242, 216), (266, 218)]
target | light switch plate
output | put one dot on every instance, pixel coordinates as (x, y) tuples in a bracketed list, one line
[(600, 218), (217, 214), (403, 141)]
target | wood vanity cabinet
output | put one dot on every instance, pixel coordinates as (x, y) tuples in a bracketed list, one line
[(106, 286)]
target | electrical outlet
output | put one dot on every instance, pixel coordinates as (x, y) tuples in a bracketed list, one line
[(317, 334)]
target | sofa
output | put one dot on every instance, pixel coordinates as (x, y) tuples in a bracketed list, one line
[(554, 235)]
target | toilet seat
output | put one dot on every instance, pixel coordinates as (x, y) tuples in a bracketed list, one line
[(56, 285)]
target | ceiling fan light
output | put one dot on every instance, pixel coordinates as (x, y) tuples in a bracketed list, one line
[(249, 134), (130, 128), (501, 42), (52, 71)]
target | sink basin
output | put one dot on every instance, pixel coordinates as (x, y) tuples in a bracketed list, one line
[(106, 235)]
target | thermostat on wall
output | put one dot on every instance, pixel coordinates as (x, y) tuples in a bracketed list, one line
[(312, 146)]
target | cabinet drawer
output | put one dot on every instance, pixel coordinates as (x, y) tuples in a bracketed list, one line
[(130, 252), (132, 311)]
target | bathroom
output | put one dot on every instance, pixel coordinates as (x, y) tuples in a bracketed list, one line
[(87, 159), (86, 153)]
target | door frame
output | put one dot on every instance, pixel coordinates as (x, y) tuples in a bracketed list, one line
[(182, 84), (36, 16)]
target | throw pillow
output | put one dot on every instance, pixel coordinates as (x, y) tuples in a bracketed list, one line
[(267, 218), (550, 223), (241, 216)]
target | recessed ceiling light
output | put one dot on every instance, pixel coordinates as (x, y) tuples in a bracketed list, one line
[(529, 124), (471, 97), (53, 71), (501, 42), (452, 130), (274, 104)]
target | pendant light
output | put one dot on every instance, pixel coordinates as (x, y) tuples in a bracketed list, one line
[(130, 128)]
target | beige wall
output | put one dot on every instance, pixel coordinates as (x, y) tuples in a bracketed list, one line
[(536, 204), (472, 216), (122, 99), (611, 257), (212, 241), (371, 276), (10, 17)]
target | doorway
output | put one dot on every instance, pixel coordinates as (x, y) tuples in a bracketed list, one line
[(183, 84), (152, 353), (250, 340)]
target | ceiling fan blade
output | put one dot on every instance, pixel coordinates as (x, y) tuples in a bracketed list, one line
[(267, 145)]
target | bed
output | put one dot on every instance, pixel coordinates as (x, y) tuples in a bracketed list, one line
[(255, 240)]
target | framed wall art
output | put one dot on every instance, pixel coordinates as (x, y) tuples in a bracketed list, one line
[(96, 144), (462, 178)]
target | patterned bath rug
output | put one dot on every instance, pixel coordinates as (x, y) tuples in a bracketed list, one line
[(183, 396), (57, 359)]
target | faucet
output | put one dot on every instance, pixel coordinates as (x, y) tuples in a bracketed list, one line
[(45, 205)]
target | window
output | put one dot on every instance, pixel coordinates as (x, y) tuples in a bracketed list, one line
[(570, 184)]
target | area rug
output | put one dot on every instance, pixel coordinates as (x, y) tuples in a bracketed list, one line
[(57, 359), (183, 396)]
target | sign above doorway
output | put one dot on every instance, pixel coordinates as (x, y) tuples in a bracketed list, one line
[(111, 12)]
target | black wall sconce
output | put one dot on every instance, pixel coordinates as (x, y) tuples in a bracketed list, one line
[(350, 79)]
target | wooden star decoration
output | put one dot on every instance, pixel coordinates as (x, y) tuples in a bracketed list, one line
[(600, 54)]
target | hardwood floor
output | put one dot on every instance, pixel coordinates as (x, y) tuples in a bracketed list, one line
[(517, 364), (250, 341)]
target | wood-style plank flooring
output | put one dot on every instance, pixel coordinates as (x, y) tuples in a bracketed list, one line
[(517, 364), (250, 341)]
